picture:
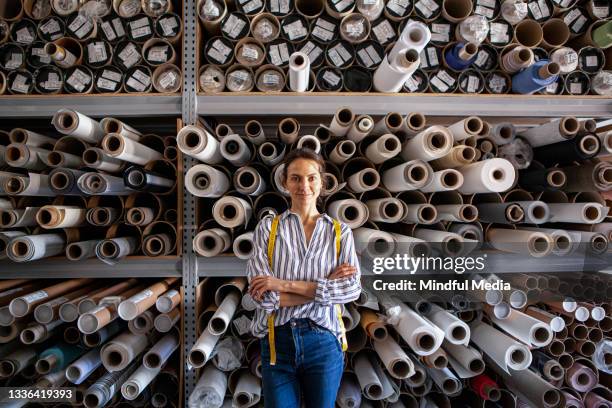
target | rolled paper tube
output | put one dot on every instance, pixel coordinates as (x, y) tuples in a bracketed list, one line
[(19, 218), (288, 130), (102, 184), (56, 358), (26, 157), (254, 132), (583, 147), (62, 159), (446, 381), (159, 354), (126, 149), (536, 212), (444, 180), (299, 72), (536, 244), (437, 360), (212, 242), (420, 335), (383, 148), (60, 216), (243, 245), (385, 210), (343, 151), (235, 150), (549, 368), (460, 56), (352, 212), (392, 122), (112, 125), (492, 175), (415, 35), (447, 242), (506, 352), (310, 142), (166, 321), (168, 301), (557, 130), (219, 323), (31, 247), (516, 59), (205, 181), (142, 324), (410, 245), (210, 389), (16, 362), (465, 360), (455, 330), (38, 333), (112, 250), (395, 360), (582, 213), (528, 329), (433, 143), (370, 382), (138, 382), (542, 179), (118, 353), (5, 238), (373, 242), (588, 177), (470, 126), (24, 136), (202, 350), (342, 122), (411, 175), (247, 391), (349, 393), (140, 179), (392, 74), (536, 77), (595, 400), (97, 158), (457, 212), (138, 303), (373, 326), (63, 181), (458, 156), (199, 144), (232, 211), (456, 10), (49, 311), (361, 127), (104, 216), (103, 390), (102, 335), (73, 123)]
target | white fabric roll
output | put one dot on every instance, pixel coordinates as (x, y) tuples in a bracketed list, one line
[(352, 212), (440, 181), (343, 151), (307, 141), (456, 212), (349, 393), (341, 122), (112, 125), (536, 212), (102, 161), (5, 238), (527, 329), (220, 239), (73, 123), (203, 180), (468, 127), (81, 369), (157, 356), (138, 381), (127, 345), (34, 184), (415, 35), (199, 144), (432, 143), (220, 321), (210, 389), (248, 390), (465, 360), (243, 239), (64, 216), (411, 175), (456, 331), (394, 71), (395, 360), (493, 175), (582, 213), (37, 247), (502, 349), (102, 184), (534, 243), (202, 350), (124, 245), (445, 380), (423, 337), (557, 130), (243, 211), (129, 150), (365, 239), (299, 72), (235, 150), (369, 382), (384, 148), (361, 127), (385, 210)]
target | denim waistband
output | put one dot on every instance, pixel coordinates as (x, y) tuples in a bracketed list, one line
[(299, 323)]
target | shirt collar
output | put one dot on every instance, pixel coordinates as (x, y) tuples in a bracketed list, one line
[(288, 212)]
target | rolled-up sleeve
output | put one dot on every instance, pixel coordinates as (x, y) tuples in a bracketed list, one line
[(258, 265), (344, 290)]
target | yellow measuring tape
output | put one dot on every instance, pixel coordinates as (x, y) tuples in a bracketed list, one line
[(271, 242)]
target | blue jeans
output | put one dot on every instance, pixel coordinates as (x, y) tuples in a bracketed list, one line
[(309, 365)]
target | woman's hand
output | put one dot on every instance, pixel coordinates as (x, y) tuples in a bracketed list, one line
[(261, 284), (343, 271)]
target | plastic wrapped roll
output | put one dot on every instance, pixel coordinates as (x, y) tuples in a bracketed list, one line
[(102, 184), (415, 35), (433, 143), (299, 72), (126, 149), (76, 124), (112, 125), (210, 389), (198, 143), (493, 175), (557, 130), (411, 175), (391, 75)]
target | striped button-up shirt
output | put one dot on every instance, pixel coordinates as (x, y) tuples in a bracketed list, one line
[(295, 260)]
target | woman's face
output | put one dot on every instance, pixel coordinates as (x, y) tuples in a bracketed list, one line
[(303, 181)]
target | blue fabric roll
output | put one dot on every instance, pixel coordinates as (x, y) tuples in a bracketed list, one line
[(453, 60), (528, 81)]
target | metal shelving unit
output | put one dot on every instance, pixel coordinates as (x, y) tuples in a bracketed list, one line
[(189, 105)]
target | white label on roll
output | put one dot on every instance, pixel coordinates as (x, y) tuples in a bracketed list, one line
[(473, 83), (108, 31), (84, 30), (159, 54), (439, 84), (322, 34), (19, 84), (15, 61), (279, 6), (275, 55), (335, 57), (233, 26), (343, 52), (443, 75), (129, 8), (544, 8), (383, 31), (325, 24), (487, 3), (343, 5), (53, 82), (113, 76), (24, 35), (312, 50), (168, 80), (77, 23), (591, 61), (139, 297), (577, 26), (430, 4), (142, 77), (284, 52), (331, 78), (295, 30), (51, 26), (535, 10), (576, 88), (252, 6), (373, 54), (442, 37), (484, 11), (497, 83), (141, 22), (35, 296), (271, 79), (168, 25), (96, 52), (78, 80), (440, 28), (570, 58), (413, 83), (601, 12), (118, 27), (141, 32), (137, 85), (432, 56), (129, 55), (221, 47), (107, 84), (394, 6), (365, 58), (481, 58), (250, 53), (571, 16), (423, 8), (552, 88)]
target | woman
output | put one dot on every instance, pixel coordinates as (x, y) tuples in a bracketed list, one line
[(298, 290)]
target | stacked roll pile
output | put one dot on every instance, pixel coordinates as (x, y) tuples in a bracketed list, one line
[(88, 189), (532, 345), (51, 47), (422, 189), (115, 341), (437, 46)]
